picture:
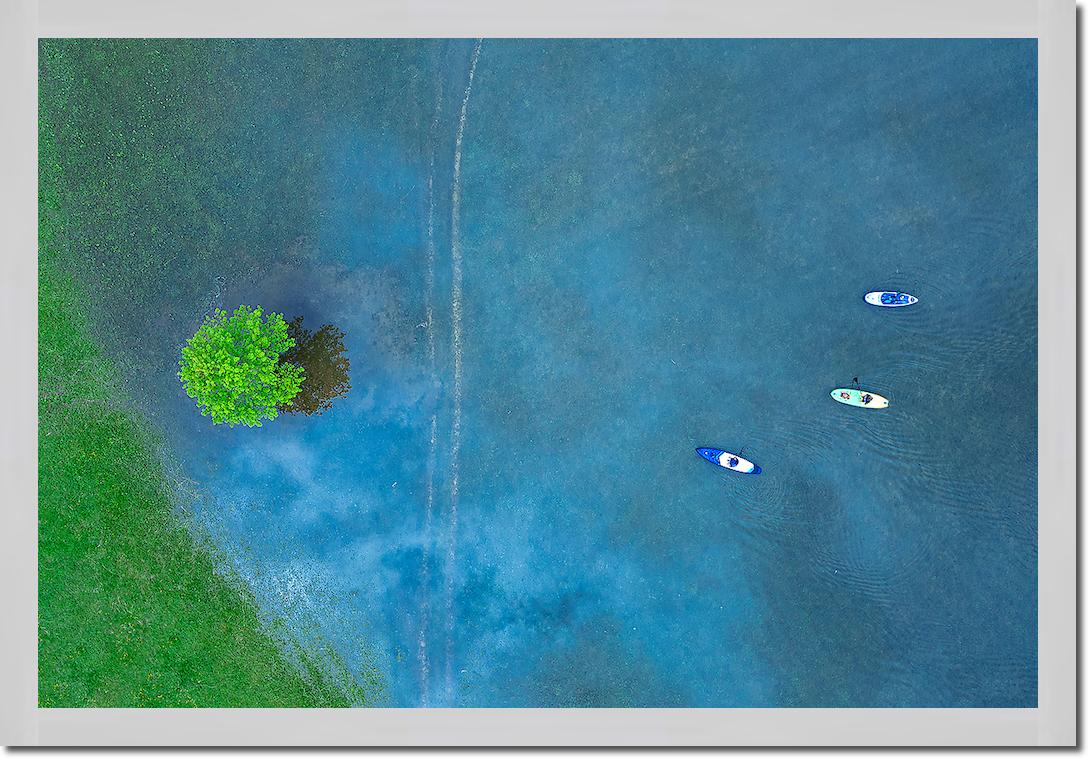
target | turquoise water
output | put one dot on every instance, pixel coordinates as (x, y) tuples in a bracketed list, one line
[(560, 281)]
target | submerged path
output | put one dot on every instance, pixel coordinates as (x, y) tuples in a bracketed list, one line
[(432, 446), (456, 330)]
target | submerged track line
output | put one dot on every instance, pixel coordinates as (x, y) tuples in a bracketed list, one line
[(432, 446), (456, 336)]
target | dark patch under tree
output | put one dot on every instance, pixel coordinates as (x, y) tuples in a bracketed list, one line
[(322, 356)]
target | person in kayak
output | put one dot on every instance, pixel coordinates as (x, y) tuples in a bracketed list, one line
[(866, 398), (733, 462)]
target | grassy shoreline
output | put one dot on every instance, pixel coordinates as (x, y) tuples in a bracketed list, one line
[(132, 611)]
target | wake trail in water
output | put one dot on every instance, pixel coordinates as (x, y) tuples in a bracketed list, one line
[(456, 331), (432, 447)]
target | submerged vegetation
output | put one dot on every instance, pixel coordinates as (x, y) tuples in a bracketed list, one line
[(133, 609), (232, 367)]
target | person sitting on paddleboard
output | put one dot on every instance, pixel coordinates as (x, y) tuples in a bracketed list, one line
[(733, 462), (866, 398)]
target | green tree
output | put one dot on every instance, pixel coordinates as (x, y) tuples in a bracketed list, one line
[(232, 367), (321, 356)]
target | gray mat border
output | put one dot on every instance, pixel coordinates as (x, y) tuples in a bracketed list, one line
[(1052, 21)]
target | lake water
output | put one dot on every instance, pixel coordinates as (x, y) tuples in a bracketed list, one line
[(555, 285)]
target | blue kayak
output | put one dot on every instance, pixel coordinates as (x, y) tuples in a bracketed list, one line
[(728, 460)]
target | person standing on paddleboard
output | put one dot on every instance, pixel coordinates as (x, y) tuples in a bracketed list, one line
[(866, 398)]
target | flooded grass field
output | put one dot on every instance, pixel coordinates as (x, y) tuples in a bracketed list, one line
[(558, 267)]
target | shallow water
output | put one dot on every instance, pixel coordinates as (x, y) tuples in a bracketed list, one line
[(558, 284)]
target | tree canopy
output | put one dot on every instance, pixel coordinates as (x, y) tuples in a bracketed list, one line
[(232, 366)]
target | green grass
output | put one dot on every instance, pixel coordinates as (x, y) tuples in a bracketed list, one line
[(132, 611)]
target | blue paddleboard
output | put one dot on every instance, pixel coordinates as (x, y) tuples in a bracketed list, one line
[(890, 299), (728, 460)]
